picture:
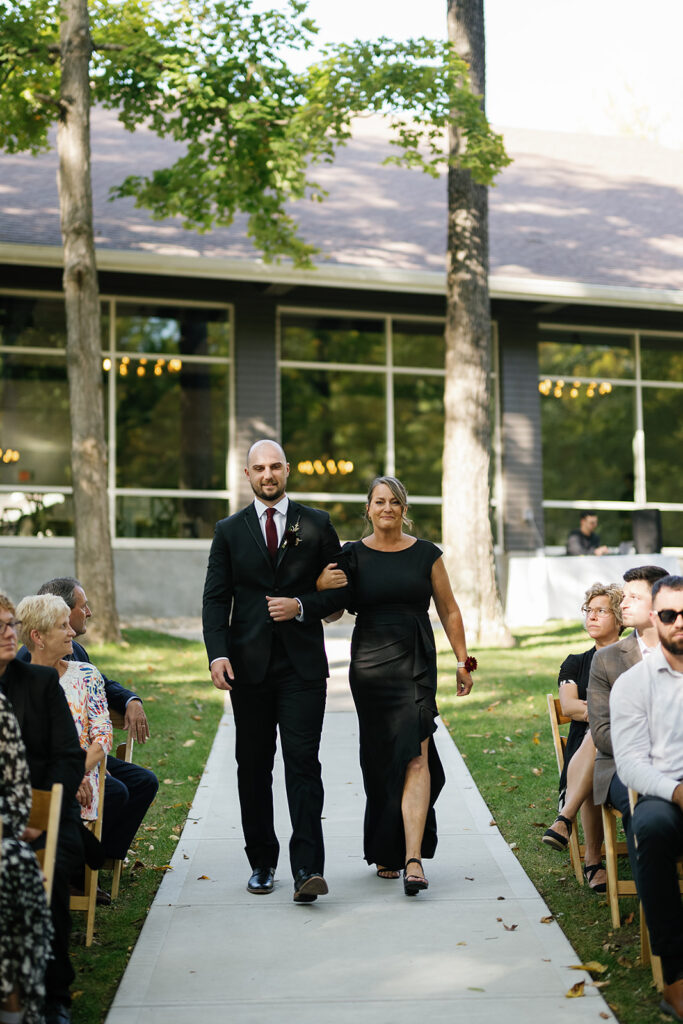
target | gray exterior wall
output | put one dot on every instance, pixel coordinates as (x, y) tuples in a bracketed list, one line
[(521, 428)]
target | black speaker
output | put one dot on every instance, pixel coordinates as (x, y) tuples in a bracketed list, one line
[(647, 530)]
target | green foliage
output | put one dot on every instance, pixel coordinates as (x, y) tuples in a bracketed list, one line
[(210, 75)]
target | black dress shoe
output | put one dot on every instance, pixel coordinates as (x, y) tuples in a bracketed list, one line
[(308, 886), (57, 1013), (261, 881)]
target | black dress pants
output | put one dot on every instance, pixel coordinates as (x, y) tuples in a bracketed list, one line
[(617, 797), (296, 706), (128, 791), (658, 828)]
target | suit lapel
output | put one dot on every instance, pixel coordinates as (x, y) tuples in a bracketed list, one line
[(293, 516), (631, 651), (15, 690), (254, 527)]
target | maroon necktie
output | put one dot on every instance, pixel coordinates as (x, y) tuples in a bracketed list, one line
[(271, 533)]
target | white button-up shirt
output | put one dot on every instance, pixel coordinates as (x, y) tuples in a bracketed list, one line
[(646, 716)]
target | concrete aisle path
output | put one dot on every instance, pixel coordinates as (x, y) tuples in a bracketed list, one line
[(366, 954)]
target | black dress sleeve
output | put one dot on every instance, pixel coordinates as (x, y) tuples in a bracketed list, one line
[(570, 670)]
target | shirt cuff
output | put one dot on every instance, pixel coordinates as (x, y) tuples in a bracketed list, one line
[(222, 657), (133, 698), (300, 616)]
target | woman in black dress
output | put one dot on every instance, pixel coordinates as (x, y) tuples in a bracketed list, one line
[(602, 608), (393, 577)]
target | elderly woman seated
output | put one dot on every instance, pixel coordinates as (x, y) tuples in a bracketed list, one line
[(603, 623), (46, 631)]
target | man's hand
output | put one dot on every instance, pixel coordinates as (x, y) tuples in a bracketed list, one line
[(221, 672), (677, 797), (30, 834), (136, 719), (281, 609), (331, 578), (84, 793)]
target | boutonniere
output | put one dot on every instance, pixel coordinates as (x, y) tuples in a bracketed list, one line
[(291, 537)]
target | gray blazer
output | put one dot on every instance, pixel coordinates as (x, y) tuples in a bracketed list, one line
[(607, 665)]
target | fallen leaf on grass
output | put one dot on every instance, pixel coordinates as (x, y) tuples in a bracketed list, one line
[(624, 962), (593, 967), (195, 718), (77, 995), (149, 697), (536, 738), (492, 822), (539, 824), (494, 705), (629, 918), (600, 984), (537, 771), (575, 991), (548, 919), (163, 867), (189, 743)]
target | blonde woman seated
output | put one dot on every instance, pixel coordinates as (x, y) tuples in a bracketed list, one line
[(46, 631), (603, 624)]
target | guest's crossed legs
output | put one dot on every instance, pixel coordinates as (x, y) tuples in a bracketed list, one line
[(297, 706)]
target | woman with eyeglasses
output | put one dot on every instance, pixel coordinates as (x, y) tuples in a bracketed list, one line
[(603, 623)]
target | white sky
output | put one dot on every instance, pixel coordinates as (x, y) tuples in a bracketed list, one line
[(598, 66)]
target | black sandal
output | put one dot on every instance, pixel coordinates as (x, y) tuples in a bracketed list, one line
[(590, 871), (413, 884), (554, 839)]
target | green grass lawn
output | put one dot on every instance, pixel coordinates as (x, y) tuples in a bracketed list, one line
[(502, 730)]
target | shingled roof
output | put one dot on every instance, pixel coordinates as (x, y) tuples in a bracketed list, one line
[(571, 209)]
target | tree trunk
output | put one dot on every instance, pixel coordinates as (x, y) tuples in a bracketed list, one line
[(467, 536), (93, 557)]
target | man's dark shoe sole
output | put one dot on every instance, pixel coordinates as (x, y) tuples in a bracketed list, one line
[(310, 889)]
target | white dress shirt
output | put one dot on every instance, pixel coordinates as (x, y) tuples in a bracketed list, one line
[(280, 517), (646, 715)]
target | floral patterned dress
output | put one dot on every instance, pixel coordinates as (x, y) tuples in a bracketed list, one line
[(25, 923), (83, 687)]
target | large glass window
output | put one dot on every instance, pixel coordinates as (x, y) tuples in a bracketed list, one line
[(166, 381), (362, 397), (610, 435)]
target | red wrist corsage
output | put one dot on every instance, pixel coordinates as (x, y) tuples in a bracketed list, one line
[(469, 664)]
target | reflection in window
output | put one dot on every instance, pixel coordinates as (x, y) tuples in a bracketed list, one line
[(172, 427), (418, 417), (32, 323), (663, 422), (168, 517), (332, 417), (661, 358), (418, 344), (613, 526), (565, 355), (172, 331), (34, 420), (587, 446), (33, 514), (332, 340)]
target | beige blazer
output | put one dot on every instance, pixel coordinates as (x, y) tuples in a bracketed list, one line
[(607, 665)]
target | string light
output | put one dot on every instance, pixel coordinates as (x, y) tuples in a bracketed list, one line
[(547, 387), (316, 466), (173, 366), (9, 455)]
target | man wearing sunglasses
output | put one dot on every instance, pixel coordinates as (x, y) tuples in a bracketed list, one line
[(647, 735)]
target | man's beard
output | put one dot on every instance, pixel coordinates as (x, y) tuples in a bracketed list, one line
[(672, 646), (274, 496)]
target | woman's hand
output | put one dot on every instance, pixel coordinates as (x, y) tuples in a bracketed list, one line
[(331, 578), (464, 682), (29, 835), (84, 792)]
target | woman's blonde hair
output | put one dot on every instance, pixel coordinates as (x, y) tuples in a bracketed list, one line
[(398, 491), (41, 612), (610, 590)]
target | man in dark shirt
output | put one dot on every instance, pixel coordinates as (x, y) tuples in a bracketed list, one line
[(585, 541)]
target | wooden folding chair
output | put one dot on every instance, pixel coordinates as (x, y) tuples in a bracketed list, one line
[(646, 954), (124, 752), (616, 886), (46, 809), (88, 901), (576, 849)]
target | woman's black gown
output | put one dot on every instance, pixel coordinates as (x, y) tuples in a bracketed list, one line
[(393, 682), (575, 669)]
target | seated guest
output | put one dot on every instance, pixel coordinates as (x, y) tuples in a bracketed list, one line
[(601, 607), (585, 541), (25, 925), (54, 755), (646, 706), (129, 788), (47, 634), (606, 667)]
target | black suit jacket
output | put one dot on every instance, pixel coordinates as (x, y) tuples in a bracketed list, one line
[(47, 729), (241, 573), (117, 695)]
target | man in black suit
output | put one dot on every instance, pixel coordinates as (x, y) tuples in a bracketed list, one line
[(54, 755), (264, 639), (128, 788)]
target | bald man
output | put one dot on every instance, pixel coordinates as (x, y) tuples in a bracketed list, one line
[(264, 639)]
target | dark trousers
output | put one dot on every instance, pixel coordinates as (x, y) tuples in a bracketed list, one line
[(617, 797), (297, 707), (69, 861), (128, 792), (658, 828)]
